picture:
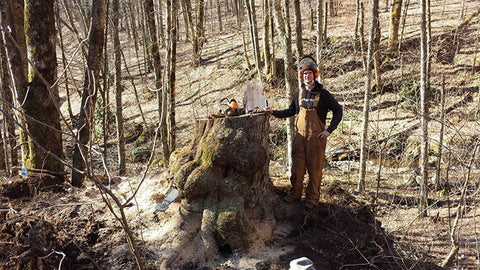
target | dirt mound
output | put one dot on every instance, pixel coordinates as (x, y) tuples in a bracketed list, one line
[(44, 227), (335, 236), (342, 233), (18, 186)]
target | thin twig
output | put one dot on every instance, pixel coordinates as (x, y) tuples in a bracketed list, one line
[(59, 253), (8, 210)]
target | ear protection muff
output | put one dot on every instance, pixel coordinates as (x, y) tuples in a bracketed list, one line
[(317, 73), (309, 61)]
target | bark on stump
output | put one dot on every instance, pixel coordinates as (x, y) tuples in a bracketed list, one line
[(223, 179)]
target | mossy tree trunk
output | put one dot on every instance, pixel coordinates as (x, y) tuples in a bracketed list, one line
[(227, 195), (41, 102), (394, 26)]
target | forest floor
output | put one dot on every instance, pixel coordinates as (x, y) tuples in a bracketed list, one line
[(47, 224)]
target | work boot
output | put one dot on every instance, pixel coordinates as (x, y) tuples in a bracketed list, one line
[(290, 199)]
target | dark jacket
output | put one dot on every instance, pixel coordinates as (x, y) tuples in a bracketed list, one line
[(325, 103)]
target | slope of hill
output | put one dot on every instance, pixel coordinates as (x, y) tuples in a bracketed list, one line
[(380, 229)]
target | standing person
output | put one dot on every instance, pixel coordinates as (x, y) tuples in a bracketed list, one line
[(308, 149)]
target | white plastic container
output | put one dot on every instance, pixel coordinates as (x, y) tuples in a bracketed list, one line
[(302, 263)]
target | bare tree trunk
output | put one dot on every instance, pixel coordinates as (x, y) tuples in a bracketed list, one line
[(404, 18), (429, 46), (104, 91), (125, 20), (366, 101), (4, 164), (266, 37), (357, 25), (135, 91), (84, 9), (242, 11), (7, 102), (298, 28), (289, 74), (311, 17), (475, 51), (186, 21), (131, 16), (208, 17), (3, 149), (395, 16), (319, 45), (247, 61), (273, 64), (219, 17), (423, 162), (251, 12), (238, 14), (362, 36), (191, 24), (198, 37), (161, 29), (376, 55), (64, 63), (325, 21), (118, 88), (149, 11), (90, 87), (148, 63), (153, 46), (12, 18), (438, 185), (170, 84), (283, 25), (462, 11)]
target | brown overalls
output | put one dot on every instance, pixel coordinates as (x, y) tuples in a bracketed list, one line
[(308, 152)]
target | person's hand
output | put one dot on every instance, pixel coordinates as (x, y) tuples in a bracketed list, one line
[(323, 135), (268, 110)]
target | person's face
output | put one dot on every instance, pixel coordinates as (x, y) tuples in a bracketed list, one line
[(308, 76)]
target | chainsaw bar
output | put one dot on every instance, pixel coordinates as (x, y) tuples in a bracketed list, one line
[(163, 205)]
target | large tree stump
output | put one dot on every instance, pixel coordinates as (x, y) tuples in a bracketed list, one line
[(227, 196)]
